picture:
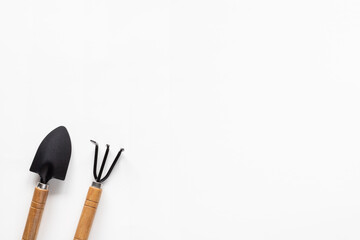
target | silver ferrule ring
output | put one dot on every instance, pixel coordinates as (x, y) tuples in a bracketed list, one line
[(96, 184), (42, 186)]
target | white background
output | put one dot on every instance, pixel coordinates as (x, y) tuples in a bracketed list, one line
[(240, 119)]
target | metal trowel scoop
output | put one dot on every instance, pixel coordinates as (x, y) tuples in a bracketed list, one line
[(51, 161)]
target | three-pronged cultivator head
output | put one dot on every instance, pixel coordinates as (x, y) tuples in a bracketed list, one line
[(97, 176)]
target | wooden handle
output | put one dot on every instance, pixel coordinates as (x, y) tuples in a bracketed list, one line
[(88, 214), (35, 214)]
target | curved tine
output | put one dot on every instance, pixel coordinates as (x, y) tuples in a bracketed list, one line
[(95, 158), (103, 163), (112, 165)]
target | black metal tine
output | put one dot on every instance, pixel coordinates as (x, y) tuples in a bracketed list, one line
[(112, 165), (103, 163), (95, 158)]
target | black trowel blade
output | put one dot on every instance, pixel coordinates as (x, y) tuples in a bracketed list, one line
[(53, 155)]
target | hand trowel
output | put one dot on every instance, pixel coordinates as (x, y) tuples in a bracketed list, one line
[(51, 161)]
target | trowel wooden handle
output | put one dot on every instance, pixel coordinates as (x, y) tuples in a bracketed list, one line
[(35, 214), (88, 214)]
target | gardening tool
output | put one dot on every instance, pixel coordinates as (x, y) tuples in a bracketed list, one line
[(51, 161), (93, 195)]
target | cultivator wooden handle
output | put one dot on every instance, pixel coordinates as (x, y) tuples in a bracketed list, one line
[(88, 213), (35, 213)]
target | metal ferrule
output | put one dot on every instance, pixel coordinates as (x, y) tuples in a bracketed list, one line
[(42, 186), (96, 184)]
